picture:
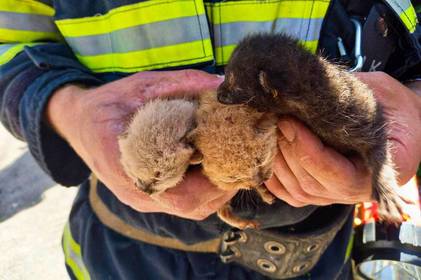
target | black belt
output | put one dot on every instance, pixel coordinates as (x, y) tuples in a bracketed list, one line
[(282, 253)]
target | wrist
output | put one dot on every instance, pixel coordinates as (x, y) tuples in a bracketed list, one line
[(63, 109)]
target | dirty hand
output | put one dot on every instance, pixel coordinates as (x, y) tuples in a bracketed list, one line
[(308, 172), (96, 118)]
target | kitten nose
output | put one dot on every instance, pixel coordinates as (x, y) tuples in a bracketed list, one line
[(149, 189), (145, 187)]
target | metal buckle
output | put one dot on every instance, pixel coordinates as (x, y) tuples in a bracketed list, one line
[(280, 254), (230, 238), (358, 58)]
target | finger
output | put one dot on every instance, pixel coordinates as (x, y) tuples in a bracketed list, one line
[(193, 191), (176, 83), (277, 189), (207, 209), (307, 188), (288, 179), (332, 170)]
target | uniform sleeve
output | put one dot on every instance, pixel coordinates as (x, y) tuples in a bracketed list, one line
[(34, 62)]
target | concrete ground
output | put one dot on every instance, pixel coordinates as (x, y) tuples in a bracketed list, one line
[(33, 211)]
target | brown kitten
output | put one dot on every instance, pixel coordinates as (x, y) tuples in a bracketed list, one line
[(155, 149), (238, 144), (275, 73)]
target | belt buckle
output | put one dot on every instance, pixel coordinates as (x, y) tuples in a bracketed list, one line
[(278, 257)]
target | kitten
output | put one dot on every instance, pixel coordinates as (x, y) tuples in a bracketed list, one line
[(235, 144), (275, 73), (156, 150), (238, 145)]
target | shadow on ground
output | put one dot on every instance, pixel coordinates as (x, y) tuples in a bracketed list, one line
[(22, 184)]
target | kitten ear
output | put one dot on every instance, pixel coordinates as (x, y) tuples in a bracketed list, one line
[(264, 82)]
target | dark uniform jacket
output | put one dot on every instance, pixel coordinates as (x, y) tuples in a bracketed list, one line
[(49, 43)]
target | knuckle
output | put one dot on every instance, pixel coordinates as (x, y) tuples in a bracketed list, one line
[(302, 197), (381, 75), (295, 203), (200, 217), (192, 74), (313, 189), (179, 204)]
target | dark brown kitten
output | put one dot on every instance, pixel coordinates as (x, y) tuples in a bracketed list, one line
[(274, 73)]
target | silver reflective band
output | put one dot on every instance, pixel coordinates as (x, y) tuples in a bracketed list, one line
[(28, 22), (410, 234), (302, 29), (142, 37), (5, 47), (399, 6), (387, 270)]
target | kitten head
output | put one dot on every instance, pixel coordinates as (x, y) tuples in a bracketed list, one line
[(237, 142), (270, 71), (156, 150)]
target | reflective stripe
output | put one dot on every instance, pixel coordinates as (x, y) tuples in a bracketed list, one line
[(131, 15), (72, 254), (159, 34), (163, 57), (349, 247), (304, 29), (234, 20), (27, 7), (141, 36), (15, 36), (9, 51), (224, 53), (406, 12), (17, 21), (26, 21)]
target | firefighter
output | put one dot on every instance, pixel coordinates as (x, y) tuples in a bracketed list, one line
[(73, 72)]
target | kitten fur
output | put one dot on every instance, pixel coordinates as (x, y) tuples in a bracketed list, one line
[(155, 149), (238, 145), (275, 73)]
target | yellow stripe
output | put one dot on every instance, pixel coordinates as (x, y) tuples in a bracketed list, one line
[(225, 12), (16, 36), (409, 18), (349, 247), (223, 54), (13, 51), (26, 6), (311, 45), (186, 54), (71, 251), (129, 16), (73, 245)]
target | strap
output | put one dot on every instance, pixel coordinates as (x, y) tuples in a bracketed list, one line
[(273, 253), (108, 218)]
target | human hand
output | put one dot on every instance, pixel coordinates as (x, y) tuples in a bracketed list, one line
[(308, 172), (92, 119)]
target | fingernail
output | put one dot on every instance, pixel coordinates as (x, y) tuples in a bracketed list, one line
[(287, 130)]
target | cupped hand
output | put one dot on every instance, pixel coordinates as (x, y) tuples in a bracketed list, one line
[(96, 117), (308, 172)]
